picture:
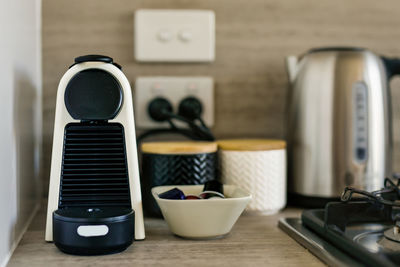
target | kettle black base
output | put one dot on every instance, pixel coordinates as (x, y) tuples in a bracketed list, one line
[(309, 202)]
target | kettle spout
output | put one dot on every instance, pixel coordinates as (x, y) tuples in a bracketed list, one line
[(291, 67)]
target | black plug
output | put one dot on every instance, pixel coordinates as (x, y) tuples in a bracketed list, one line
[(159, 109), (190, 108)]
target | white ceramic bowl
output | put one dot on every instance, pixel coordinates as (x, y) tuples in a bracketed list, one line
[(202, 218)]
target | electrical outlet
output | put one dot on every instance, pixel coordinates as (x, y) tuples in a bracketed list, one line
[(174, 89)]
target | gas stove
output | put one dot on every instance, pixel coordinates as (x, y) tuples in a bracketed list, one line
[(363, 229)]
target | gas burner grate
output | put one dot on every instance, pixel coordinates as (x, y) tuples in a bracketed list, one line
[(388, 196), (94, 169)]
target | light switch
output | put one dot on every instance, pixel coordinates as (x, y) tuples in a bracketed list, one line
[(174, 35)]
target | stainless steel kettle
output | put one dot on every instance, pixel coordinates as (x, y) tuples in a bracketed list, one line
[(339, 121)]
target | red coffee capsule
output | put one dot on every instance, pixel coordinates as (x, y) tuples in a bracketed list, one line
[(192, 197)]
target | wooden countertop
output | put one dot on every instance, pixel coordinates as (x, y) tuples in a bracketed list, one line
[(254, 241)]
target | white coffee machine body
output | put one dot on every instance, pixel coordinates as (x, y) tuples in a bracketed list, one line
[(124, 116)]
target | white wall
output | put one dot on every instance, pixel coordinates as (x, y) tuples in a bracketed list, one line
[(21, 123)]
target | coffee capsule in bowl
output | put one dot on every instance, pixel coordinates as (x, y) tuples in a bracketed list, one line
[(174, 193), (212, 189)]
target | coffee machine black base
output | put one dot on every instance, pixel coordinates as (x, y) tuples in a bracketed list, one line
[(93, 231), (91, 252)]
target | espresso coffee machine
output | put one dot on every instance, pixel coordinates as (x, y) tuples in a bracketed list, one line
[(94, 204)]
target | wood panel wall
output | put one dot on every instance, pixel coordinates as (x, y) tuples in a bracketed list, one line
[(252, 39)]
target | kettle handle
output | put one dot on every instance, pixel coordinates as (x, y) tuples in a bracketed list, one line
[(392, 66), (291, 67)]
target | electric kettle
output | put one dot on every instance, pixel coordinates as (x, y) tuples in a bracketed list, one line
[(339, 122)]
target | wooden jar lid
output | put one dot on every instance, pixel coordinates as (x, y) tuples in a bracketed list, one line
[(189, 147), (251, 144)]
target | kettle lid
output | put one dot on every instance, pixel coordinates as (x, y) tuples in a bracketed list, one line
[(336, 49)]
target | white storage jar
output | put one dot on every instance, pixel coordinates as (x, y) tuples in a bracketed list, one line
[(259, 167)]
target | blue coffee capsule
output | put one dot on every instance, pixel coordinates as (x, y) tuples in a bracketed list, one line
[(172, 194)]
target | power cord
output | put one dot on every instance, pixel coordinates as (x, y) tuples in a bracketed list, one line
[(189, 112), (191, 108)]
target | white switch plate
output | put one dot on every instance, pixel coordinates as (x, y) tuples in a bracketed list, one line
[(174, 35), (174, 89)]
